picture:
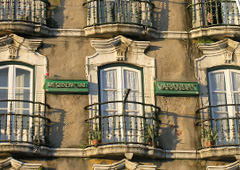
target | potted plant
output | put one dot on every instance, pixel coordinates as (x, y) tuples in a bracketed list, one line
[(149, 136), (211, 137), (96, 136)]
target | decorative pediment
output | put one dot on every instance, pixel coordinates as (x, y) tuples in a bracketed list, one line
[(119, 45), (123, 164), (222, 53), (232, 166), (226, 47), (12, 43), (15, 164)]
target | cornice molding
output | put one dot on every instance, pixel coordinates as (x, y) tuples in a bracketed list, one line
[(119, 150), (124, 163), (15, 164)]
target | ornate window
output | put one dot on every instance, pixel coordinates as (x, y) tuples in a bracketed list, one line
[(22, 75), (121, 91), (218, 75), (224, 88), (114, 83)]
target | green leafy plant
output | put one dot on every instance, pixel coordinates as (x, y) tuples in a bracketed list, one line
[(96, 134), (149, 136), (210, 135), (204, 40)]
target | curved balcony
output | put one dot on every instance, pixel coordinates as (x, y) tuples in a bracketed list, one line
[(23, 16), (127, 17), (218, 130), (127, 126), (216, 18), (23, 122)]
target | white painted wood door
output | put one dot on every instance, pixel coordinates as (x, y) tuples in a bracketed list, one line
[(114, 83), (15, 84), (224, 88)]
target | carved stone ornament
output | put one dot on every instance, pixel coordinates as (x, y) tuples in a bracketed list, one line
[(231, 166), (15, 164), (12, 51), (222, 53), (124, 164), (14, 43)]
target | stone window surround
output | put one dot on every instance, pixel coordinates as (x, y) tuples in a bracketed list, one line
[(14, 48), (222, 53), (120, 50)]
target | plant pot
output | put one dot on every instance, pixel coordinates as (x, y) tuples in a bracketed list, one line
[(210, 143), (95, 142), (149, 143)]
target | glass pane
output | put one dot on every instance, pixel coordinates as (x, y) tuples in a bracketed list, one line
[(22, 94), (131, 80), (22, 78), (237, 98), (109, 96), (217, 81), (4, 77), (3, 96), (21, 111), (236, 81), (219, 99), (109, 79)]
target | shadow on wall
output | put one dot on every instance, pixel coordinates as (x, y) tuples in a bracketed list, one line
[(161, 14), (171, 134), (55, 13), (56, 128)]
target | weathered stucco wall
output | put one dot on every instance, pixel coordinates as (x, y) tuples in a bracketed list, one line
[(174, 63), (67, 14), (66, 60), (171, 15)]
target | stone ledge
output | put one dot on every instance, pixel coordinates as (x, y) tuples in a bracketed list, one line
[(219, 152), (118, 150), (108, 30), (23, 28), (218, 32), (100, 151)]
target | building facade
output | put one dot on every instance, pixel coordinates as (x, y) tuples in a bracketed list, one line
[(123, 84)]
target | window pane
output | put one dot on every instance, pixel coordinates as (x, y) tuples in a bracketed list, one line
[(131, 80), (4, 77), (236, 81), (217, 81), (22, 78), (109, 79), (22, 94), (3, 96)]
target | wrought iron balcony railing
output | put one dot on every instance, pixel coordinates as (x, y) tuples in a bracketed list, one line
[(138, 12), (219, 125), (23, 121), (32, 11), (206, 13), (134, 123)]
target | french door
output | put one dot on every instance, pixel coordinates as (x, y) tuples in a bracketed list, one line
[(15, 84), (120, 125), (224, 88)]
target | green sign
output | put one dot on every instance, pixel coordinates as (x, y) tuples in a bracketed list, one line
[(66, 86), (176, 88)]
